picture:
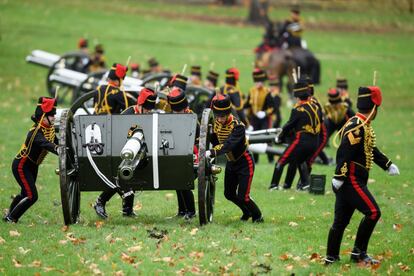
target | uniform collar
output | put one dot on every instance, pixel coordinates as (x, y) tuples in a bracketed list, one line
[(361, 116)]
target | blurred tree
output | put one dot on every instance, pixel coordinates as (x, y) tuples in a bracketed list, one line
[(258, 11)]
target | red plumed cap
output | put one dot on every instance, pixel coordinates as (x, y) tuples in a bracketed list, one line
[(376, 95)]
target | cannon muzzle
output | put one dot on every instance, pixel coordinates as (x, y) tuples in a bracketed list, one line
[(132, 153)]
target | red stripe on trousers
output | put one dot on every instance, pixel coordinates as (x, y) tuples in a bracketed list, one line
[(289, 149), (361, 193), (250, 162), (23, 178), (321, 146)]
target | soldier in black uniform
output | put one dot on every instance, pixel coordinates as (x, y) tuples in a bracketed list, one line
[(98, 60), (259, 106), (355, 157), (305, 123), (146, 103), (211, 80), (39, 141), (342, 86), (110, 98), (230, 88), (195, 78), (337, 112), (229, 138), (179, 104), (274, 90)]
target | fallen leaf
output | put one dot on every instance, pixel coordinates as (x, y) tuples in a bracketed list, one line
[(16, 263), (65, 228), (193, 231), (63, 241), (119, 273), (14, 233), (35, 263), (2, 240), (403, 267), (397, 227), (412, 250), (314, 256), (127, 259), (24, 251), (283, 257), (375, 266), (135, 248), (195, 269), (99, 224), (267, 254), (167, 259), (293, 224), (137, 206), (196, 255), (289, 267), (169, 196)]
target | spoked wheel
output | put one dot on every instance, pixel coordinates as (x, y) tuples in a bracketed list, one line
[(89, 84), (73, 61), (198, 97), (206, 180), (68, 172), (151, 79)]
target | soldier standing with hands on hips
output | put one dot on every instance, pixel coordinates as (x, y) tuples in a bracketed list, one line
[(355, 156), (229, 138)]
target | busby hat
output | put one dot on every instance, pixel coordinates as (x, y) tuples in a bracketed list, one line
[(342, 83), (117, 72), (334, 96), (45, 105), (368, 97), (295, 9), (179, 81), (310, 86), (230, 77), (99, 49), (301, 89), (213, 77), (221, 105), (177, 99), (259, 75), (236, 72), (135, 67), (196, 70), (82, 43), (153, 62), (147, 98)]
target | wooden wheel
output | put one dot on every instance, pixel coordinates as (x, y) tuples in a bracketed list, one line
[(74, 61), (198, 97), (206, 180), (68, 171), (91, 83)]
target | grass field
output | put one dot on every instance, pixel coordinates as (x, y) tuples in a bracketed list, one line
[(293, 237)]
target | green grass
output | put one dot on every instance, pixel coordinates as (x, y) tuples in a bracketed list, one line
[(226, 246)]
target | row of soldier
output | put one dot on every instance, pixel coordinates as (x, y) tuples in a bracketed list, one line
[(356, 154)]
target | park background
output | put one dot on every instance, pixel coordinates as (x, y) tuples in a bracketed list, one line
[(353, 38)]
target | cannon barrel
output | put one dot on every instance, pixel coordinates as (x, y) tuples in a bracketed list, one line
[(132, 153)]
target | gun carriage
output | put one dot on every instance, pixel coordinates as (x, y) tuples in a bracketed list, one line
[(96, 155)]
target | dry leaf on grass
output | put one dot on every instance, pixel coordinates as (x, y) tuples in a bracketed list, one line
[(2, 240), (193, 231), (283, 257), (293, 224), (99, 224), (403, 267), (397, 227), (35, 263), (169, 196), (127, 259), (16, 263), (289, 267), (65, 228), (196, 255), (315, 256), (24, 251), (119, 273), (135, 248), (14, 233)]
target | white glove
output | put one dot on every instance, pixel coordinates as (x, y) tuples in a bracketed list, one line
[(208, 154), (261, 114), (393, 170), (337, 184), (250, 128)]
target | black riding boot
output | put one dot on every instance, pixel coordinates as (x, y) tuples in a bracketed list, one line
[(254, 211), (365, 229), (18, 210), (128, 206), (304, 177), (290, 175)]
